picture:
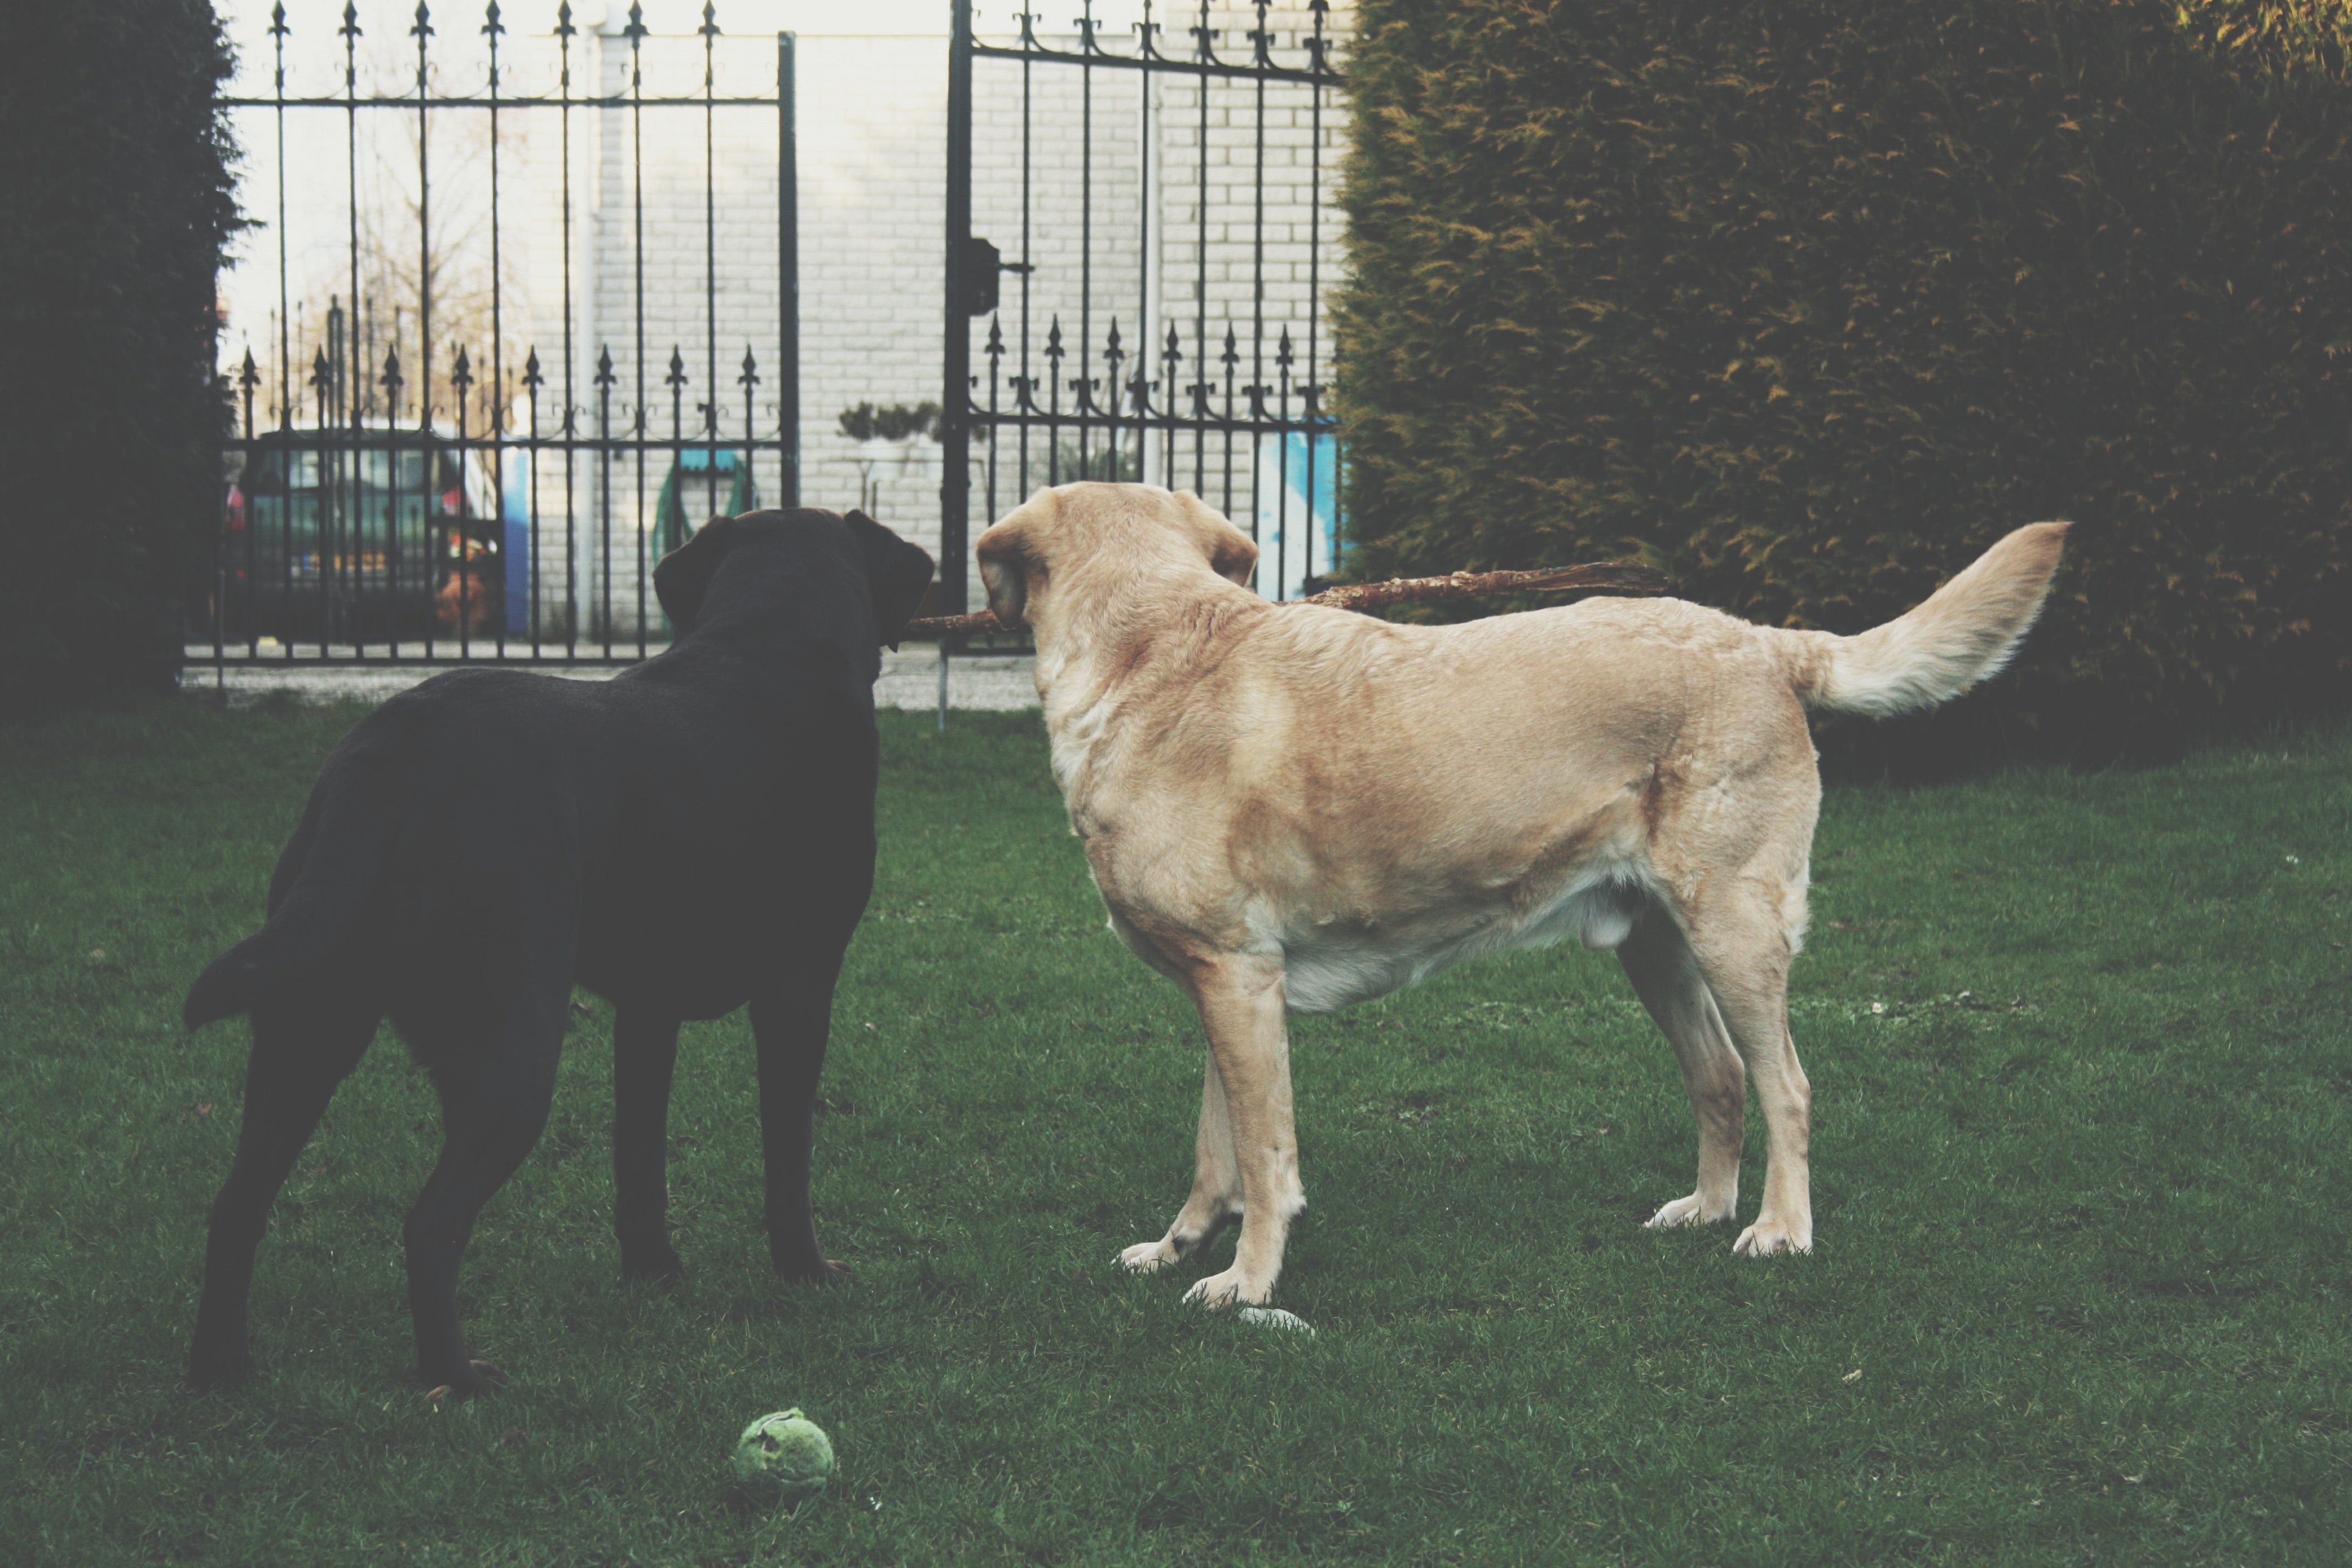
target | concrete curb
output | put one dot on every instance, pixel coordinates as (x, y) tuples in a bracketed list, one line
[(910, 681)]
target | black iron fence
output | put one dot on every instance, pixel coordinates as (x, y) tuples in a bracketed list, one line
[(455, 455), (1160, 315), (494, 385)]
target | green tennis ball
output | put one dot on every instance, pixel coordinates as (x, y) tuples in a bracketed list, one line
[(786, 1454)]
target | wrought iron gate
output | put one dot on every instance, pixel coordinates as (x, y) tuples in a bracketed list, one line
[(1165, 211), (459, 457)]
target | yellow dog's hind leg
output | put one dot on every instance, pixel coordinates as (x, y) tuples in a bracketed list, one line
[(1665, 974)]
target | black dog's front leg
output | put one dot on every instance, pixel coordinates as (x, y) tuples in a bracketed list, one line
[(645, 1055), (790, 1027)]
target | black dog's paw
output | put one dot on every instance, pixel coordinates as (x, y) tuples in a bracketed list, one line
[(216, 1370), (479, 1377)]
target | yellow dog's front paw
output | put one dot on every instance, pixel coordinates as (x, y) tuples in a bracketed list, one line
[(1692, 1210), (1148, 1255), (1767, 1236), (1226, 1290)]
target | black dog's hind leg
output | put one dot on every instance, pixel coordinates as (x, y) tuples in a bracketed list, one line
[(301, 1050), (789, 1026), (496, 1087), (645, 1055)]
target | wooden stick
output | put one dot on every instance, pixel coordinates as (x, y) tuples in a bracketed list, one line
[(957, 626), (1617, 576)]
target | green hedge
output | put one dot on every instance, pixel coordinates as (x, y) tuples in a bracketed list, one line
[(115, 206), (1809, 302)]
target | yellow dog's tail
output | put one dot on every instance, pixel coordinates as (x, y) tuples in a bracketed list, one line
[(1965, 631)]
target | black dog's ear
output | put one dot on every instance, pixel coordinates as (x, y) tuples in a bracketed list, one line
[(684, 574), (899, 571)]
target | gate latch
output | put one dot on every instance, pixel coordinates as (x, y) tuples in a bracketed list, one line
[(982, 263)]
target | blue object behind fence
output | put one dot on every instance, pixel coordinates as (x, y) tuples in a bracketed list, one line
[(1297, 507)]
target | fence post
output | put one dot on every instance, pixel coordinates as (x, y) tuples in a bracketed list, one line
[(955, 396), (788, 267)]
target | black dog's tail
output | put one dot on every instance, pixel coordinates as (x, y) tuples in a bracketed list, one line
[(337, 864)]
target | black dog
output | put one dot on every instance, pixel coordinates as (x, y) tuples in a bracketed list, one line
[(692, 834)]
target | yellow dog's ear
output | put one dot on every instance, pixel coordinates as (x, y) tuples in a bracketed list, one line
[(1233, 554), (1005, 575), (1235, 558), (1008, 563)]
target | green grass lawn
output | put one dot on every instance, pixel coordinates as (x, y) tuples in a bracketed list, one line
[(2083, 1080)]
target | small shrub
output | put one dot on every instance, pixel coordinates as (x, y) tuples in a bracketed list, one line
[(897, 422)]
